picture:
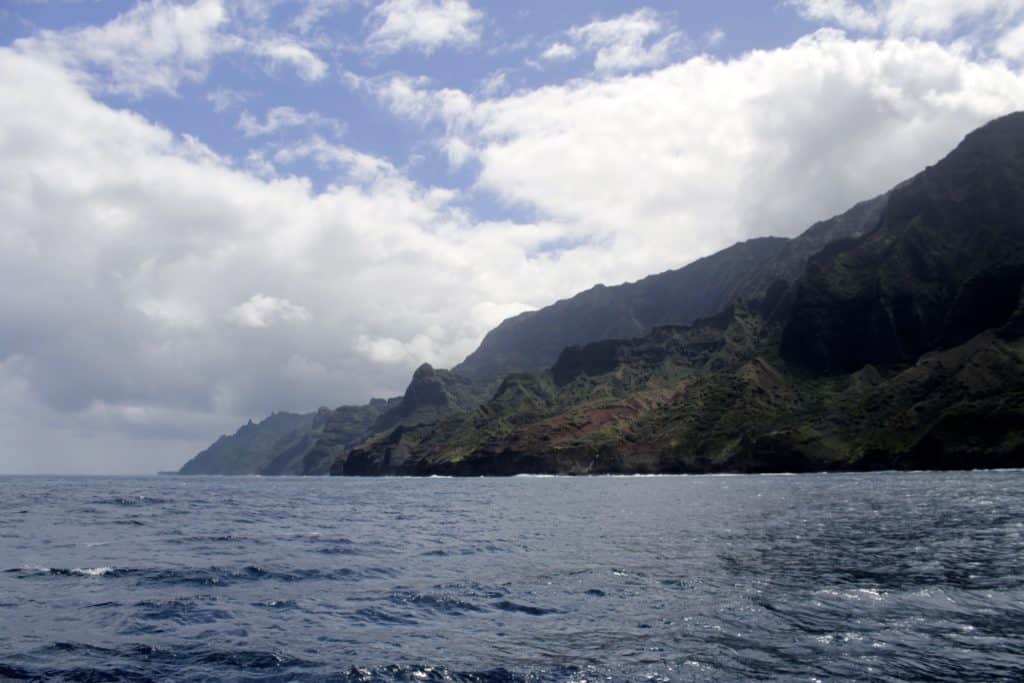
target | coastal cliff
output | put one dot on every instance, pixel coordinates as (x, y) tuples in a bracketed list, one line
[(898, 346), (886, 337)]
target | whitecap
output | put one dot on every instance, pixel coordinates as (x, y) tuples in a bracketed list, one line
[(95, 571)]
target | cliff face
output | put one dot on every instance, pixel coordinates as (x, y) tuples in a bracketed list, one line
[(252, 447), (332, 432), (539, 423), (288, 443), (721, 399), (532, 341), (945, 263), (888, 336), (898, 347), (431, 395)]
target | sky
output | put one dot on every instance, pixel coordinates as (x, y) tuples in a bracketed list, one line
[(212, 210)]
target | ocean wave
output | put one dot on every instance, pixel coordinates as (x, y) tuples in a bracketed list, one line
[(445, 603), (509, 606), (125, 501), (194, 665), (60, 571), (202, 576)]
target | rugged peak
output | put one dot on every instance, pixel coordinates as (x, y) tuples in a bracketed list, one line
[(427, 386), (431, 394), (999, 131), (423, 372)]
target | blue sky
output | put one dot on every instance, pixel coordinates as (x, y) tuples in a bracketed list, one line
[(214, 209)]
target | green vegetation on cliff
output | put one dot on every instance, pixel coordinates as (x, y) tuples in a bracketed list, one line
[(717, 397), (252, 447), (899, 346), (888, 336), (288, 443), (532, 341)]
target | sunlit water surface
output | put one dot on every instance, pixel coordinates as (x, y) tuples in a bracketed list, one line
[(867, 576)]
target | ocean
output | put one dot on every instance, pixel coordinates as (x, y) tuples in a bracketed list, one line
[(885, 576)]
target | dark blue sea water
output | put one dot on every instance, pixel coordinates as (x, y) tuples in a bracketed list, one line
[(874, 576)]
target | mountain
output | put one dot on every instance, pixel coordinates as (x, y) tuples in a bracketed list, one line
[(531, 341), (288, 443), (899, 345), (431, 395), (251, 448), (926, 267), (946, 263), (332, 431)]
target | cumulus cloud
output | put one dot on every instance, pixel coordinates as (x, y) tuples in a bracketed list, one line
[(414, 98), (153, 47), (387, 350), (495, 84), (625, 42), (423, 25), (1011, 45), (171, 280), (313, 11), (282, 51), (664, 166), (158, 45), (927, 18), (557, 51), (223, 99), (358, 167), (845, 13), (278, 118), (262, 311), (932, 17)]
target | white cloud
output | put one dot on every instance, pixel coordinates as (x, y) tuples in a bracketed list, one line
[(144, 255), (314, 11), (933, 17), (423, 25), (690, 158), (309, 66), (845, 13), (359, 167), (557, 51), (925, 18), (263, 311), (496, 83), (153, 47), (622, 43), (1011, 45), (256, 162), (388, 351), (223, 99), (413, 98), (714, 37), (159, 44), (279, 118)]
